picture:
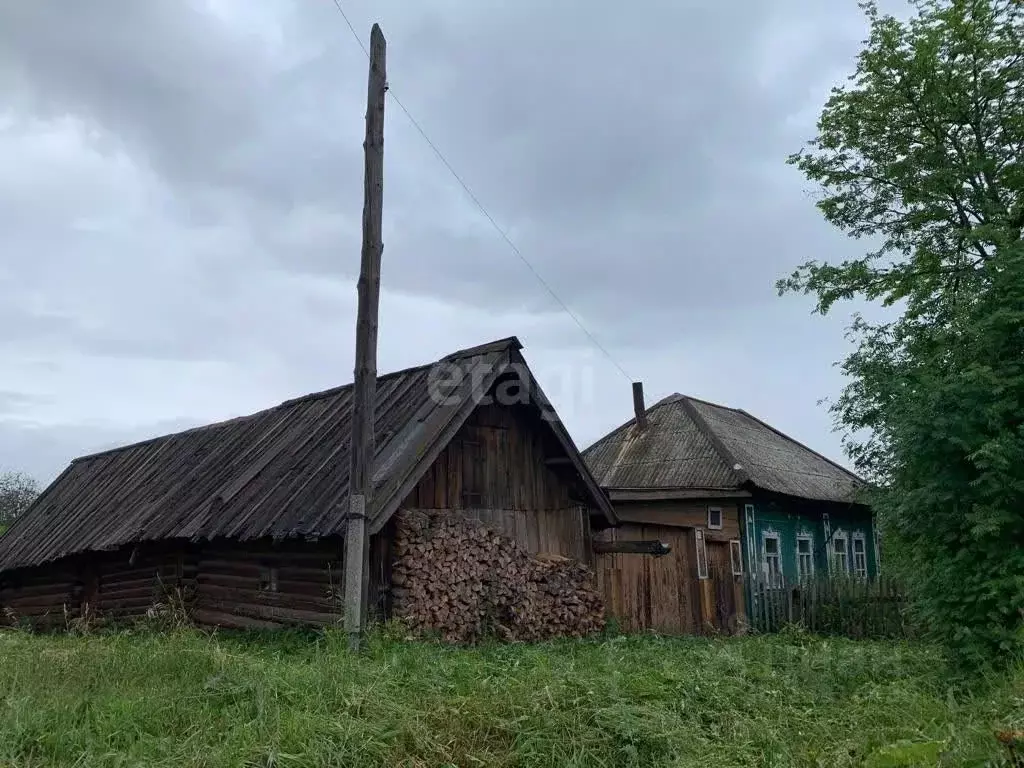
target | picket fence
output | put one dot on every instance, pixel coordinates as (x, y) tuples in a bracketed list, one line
[(832, 605)]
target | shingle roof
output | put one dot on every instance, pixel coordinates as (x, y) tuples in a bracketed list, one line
[(280, 472), (694, 444)]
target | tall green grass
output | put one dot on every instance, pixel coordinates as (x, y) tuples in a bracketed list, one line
[(191, 699)]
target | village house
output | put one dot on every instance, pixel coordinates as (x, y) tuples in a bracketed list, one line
[(744, 508), (242, 521)]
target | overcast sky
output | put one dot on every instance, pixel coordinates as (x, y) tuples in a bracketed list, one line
[(181, 196)]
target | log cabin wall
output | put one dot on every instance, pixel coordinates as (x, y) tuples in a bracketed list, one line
[(244, 585), (266, 585), (127, 583), (45, 597), (119, 585), (496, 471)]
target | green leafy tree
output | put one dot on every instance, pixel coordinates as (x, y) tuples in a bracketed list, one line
[(17, 492), (921, 154)]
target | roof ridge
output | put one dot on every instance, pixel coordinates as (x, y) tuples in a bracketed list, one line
[(713, 404), (630, 422), (308, 397), (783, 435), (731, 464), (482, 349)]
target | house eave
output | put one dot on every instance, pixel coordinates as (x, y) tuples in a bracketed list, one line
[(668, 494)]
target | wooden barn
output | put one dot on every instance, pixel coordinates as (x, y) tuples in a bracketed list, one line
[(482, 506), (743, 507)]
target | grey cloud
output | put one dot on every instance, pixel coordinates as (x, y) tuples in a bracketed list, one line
[(634, 152), (600, 139), (162, 76)]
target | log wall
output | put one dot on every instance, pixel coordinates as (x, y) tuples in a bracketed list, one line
[(263, 585), (126, 584), (44, 597), (258, 584)]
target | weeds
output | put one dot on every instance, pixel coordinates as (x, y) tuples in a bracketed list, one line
[(186, 698)]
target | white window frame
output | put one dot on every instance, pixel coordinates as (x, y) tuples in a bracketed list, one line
[(801, 537), (702, 554), (721, 518), (749, 528), (777, 579), (860, 573), (833, 553), (268, 579), (736, 557)]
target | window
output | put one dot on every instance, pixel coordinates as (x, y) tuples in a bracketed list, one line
[(715, 518), (702, 554), (860, 558), (736, 557), (839, 564), (772, 560), (804, 556), (268, 579)]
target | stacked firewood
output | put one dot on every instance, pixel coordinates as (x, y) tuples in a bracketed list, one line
[(453, 577)]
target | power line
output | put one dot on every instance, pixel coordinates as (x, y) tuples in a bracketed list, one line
[(479, 205)]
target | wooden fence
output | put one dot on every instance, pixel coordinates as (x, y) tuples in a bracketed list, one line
[(832, 605)]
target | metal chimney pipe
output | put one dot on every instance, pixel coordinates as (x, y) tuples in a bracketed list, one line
[(638, 405)]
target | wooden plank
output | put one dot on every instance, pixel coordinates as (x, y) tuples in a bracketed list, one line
[(682, 515), (652, 547), (216, 593), (217, 618)]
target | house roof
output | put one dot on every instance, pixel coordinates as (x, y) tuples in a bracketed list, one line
[(281, 472), (693, 444)]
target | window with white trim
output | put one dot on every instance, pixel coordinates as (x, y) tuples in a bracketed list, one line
[(804, 556), (860, 557), (838, 555), (772, 553), (736, 557), (702, 554), (268, 579), (715, 518)]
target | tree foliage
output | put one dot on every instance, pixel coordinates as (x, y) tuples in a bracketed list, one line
[(17, 492), (921, 153)]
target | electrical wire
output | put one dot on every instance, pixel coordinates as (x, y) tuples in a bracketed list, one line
[(476, 201)]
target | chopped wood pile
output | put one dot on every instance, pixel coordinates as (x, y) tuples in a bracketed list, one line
[(457, 578)]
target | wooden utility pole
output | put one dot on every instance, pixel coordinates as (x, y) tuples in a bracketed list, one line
[(364, 389)]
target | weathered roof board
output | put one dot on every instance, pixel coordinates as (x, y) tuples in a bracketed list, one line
[(691, 443), (281, 472)]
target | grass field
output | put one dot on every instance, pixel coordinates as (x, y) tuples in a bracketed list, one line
[(191, 699)]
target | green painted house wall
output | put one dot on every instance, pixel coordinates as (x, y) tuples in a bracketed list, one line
[(821, 524)]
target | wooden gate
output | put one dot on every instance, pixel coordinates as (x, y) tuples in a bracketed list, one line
[(726, 592), (647, 593), (665, 594)]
